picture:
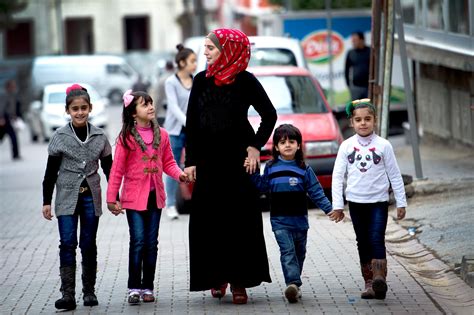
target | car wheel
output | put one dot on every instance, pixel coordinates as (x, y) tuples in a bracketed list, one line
[(115, 97)]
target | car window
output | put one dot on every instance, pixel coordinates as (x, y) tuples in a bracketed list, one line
[(271, 57), (292, 95), (119, 69)]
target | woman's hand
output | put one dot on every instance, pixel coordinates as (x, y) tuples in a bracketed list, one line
[(190, 173), (253, 157), (47, 212)]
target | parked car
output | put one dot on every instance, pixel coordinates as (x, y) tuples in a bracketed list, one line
[(111, 75), (299, 100), (266, 50), (49, 113)]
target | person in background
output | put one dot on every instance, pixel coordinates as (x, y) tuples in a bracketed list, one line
[(140, 85), (177, 88), (226, 242), (161, 103), (357, 67), (10, 111), (74, 153)]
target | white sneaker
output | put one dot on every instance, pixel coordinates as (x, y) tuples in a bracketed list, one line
[(172, 213)]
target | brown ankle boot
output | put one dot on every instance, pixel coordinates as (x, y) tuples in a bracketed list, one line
[(368, 293), (379, 285)]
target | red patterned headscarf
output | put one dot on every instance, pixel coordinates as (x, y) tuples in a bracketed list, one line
[(234, 57)]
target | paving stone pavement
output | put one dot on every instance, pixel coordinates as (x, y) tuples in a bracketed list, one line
[(29, 262)]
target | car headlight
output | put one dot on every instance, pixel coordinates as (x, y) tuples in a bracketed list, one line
[(321, 148)]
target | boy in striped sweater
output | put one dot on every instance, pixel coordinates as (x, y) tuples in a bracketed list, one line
[(289, 181)]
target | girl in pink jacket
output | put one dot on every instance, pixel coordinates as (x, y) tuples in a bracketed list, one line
[(142, 153)]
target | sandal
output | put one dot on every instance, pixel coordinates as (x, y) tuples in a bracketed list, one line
[(147, 296), (133, 296), (219, 292)]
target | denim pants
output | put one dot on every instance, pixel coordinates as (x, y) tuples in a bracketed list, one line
[(85, 213), (369, 221), (292, 253), (143, 251), (177, 145)]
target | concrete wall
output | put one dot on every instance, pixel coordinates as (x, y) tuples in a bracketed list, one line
[(108, 23), (444, 98)]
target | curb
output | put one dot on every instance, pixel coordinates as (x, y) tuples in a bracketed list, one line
[(433, 186)]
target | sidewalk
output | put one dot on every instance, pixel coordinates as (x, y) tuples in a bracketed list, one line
[(444, 167), (29, 263)]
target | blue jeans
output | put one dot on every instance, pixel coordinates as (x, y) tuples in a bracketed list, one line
[(177, 145), (143, 251), (369, 221), (85, 213), (292, 254)]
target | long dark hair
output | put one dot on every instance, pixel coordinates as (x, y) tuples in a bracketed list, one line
[(288, 131), (128, 121), (182, 54)]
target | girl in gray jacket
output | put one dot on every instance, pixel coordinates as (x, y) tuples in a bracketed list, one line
[(73, 160)]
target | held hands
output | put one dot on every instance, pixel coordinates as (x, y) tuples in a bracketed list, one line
[(190, 173), (47, 212), (252, 161), (115, 207), (336, 215), (401, 212), (183, 178)]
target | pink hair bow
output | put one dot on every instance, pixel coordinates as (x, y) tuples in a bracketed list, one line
[(75, 86), (127, 97)]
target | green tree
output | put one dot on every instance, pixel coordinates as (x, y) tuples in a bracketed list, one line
[(321, 4), (7, 9)]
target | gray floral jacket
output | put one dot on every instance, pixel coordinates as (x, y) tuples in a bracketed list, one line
[(79, 161)]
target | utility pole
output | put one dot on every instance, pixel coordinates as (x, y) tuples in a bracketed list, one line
[(329, 40), (387, 75)]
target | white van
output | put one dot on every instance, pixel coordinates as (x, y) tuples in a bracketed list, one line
[(265, 51), (110, 75)]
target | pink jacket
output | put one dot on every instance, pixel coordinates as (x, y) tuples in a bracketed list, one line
[(136, 168)]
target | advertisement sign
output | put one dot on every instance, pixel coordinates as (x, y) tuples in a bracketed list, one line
[(312, 31)]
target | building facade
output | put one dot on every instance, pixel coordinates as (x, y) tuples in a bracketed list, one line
[(440, 40)]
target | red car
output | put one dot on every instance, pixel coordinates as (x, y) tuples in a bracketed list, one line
[(299, 100)]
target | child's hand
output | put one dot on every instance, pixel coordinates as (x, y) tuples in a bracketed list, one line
[(115, 208), (336, 215), (190, 173), (47, 212), (401, 213), (183, 178)]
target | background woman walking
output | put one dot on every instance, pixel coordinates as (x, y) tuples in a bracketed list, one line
[(177, 88)]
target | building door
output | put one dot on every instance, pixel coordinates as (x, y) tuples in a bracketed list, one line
[(19, 40), (79, 36), (137, 33)]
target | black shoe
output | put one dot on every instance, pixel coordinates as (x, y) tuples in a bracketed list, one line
[(90, 299)]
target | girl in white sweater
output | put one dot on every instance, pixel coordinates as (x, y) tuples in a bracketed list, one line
[(371, 167)]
